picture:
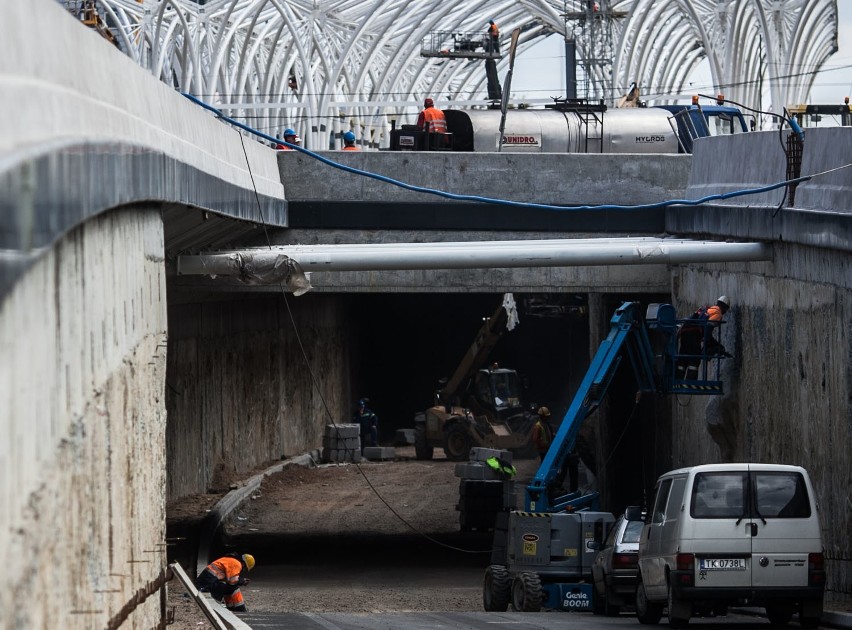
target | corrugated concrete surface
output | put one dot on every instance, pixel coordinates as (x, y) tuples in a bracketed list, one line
[(82, 458), (240, 393)]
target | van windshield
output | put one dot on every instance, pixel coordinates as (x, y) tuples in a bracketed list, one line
[(749, 495)]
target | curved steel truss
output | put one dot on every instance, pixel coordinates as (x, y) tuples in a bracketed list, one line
[(325, 66)]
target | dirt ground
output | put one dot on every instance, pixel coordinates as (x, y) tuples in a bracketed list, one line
[(377, 537), (389, 531)]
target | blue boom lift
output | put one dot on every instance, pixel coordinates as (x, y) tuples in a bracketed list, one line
[(542, 556)]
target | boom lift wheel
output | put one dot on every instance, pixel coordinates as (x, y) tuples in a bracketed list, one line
[(526, 592), (496, 589), (457, 445)]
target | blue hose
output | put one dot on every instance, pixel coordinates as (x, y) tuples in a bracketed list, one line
[(502, 202)]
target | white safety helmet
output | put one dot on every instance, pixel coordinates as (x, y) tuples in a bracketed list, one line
[(723, 299)]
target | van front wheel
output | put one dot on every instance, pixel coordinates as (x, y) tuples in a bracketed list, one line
[(647, 612)]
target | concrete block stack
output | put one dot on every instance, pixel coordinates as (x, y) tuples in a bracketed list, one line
[(379, 453), (341, 443), (483, 492)]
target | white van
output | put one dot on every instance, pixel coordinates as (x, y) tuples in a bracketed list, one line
[(724, 534)]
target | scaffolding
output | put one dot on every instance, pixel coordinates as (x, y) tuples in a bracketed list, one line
[(590, 28)]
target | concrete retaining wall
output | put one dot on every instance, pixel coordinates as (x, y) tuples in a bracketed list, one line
[(82, 458), (239, 391), (789, 390)]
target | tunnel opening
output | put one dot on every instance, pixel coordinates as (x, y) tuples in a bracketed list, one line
[(407, 342)]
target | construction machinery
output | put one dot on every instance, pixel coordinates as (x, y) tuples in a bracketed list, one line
[(542, 556), (477, 406)]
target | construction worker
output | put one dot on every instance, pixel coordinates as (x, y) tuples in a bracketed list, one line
[(349, 142), (431, 119), (369, 422), (290, 137), (493, 37), (542, 433), (696, 337), (223, 578)]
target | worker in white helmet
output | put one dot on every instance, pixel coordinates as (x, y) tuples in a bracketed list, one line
[(697, 340)]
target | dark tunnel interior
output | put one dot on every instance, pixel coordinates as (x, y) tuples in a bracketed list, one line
[(407, 342)]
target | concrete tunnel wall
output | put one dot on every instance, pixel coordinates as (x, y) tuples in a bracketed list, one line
[(788, 390), (240, 392), (82, 461)]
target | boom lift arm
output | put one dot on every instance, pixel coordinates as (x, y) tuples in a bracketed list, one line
[(628, 332)]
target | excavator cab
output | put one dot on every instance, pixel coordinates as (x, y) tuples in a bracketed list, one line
[(498, 389)]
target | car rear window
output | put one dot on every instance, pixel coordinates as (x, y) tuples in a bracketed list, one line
[(632, 532), (750, 495)]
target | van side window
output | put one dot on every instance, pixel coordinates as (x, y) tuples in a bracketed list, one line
[(658, 514), (719, 495), (675, 499), (781, 495)]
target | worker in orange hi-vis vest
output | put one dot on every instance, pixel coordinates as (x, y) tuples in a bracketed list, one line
[(431, 118), (223, 578)]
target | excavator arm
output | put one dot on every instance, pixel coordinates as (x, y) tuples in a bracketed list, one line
[(476, 356)]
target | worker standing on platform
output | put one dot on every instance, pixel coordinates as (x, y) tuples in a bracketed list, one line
[(431, 118), (493, 37), (223, 578), (349, 142), (697, 338)]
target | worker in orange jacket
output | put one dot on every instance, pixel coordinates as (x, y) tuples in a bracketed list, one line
[(493, 37), (431, 118), (223, 578), (697, 340)]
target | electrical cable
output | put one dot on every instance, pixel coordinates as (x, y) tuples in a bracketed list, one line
[(316, 385)]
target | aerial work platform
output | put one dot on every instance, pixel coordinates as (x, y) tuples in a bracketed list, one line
[(456, 45)]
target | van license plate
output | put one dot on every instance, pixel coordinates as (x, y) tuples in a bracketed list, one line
[(722, 564)]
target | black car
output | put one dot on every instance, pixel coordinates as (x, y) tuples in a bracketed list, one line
[(615, 570)]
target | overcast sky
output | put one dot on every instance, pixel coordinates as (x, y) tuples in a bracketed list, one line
[(540, 73)]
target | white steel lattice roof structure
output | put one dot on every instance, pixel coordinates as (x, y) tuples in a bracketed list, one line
[(357, 63)]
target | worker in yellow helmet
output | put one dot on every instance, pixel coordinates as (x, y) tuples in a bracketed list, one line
[(542, 433), (223, 578)]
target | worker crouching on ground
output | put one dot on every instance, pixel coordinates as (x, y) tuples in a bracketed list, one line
[(223, 578)]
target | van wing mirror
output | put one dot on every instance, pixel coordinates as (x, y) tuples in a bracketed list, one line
[(634, 513)]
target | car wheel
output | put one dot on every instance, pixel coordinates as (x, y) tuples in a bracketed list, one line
[(647, 612), (422, 450), (779, 615), (526, 592), (809, 622), (679, 610), (496, 589), (610, 609), (598, 600), (457, 446)]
